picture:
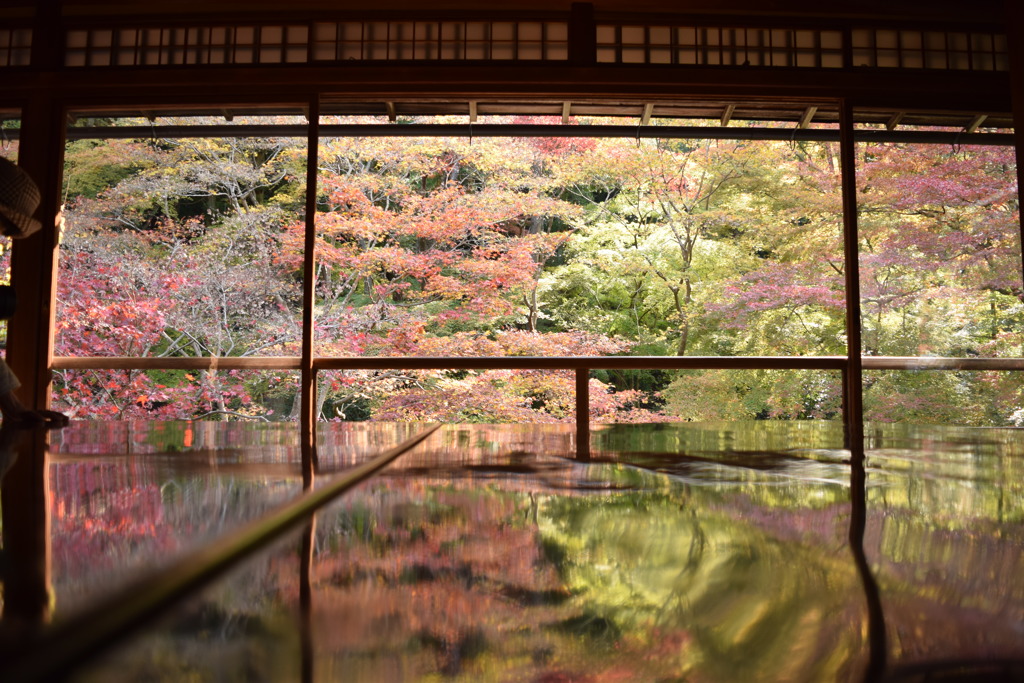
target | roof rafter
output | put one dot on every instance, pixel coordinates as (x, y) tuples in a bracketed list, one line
[(808, 115), (727, 114), (895, 120), (645, 117), (975, 123)]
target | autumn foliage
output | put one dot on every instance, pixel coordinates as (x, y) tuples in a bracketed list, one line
[(538, 247)]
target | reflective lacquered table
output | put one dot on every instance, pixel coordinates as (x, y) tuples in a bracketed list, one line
[(698, 552)]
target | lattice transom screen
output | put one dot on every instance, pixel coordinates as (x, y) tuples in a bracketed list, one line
[(344, 41), (911, 49), (318, 42), (155, 46), (15, 46), (440, 40), (739, 46), (719, 46)]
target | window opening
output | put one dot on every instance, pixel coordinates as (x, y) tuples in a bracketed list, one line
[(940, 265), (176, 248), (435, 294)]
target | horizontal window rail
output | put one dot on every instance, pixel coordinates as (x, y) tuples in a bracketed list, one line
[(534, 130), (585, 363), (539, 363), (195, 363), (581, 365), (937, 363)]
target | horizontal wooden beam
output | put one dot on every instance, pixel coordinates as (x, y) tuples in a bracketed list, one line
[(216, 363), (896, 89), (933, 363), (532, 130), (585, 362), (984, 17), (668, 363), (540, 363)]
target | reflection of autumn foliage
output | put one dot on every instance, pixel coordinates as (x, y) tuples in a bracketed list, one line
[(273, 442), (111, 522), (442, 580), (99, 517), (971, 573), (450, 557)]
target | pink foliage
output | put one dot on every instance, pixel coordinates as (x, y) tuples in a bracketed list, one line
[(780, 285)]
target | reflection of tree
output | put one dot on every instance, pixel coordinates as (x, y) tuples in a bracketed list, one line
[(465, 576), (452, 578), (169, 250), (753, 607), (950, 589), (111, 521)]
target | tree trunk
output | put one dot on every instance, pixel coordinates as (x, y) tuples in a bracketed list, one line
[(531, 305), (321, 398), (684, 335), (218, 401), (683, 309)]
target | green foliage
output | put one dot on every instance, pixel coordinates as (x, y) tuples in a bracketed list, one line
[(93, 167)]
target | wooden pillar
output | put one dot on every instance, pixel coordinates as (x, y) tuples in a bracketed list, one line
[(582, 34), (34, 259), (853, 409), (307, 419)]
